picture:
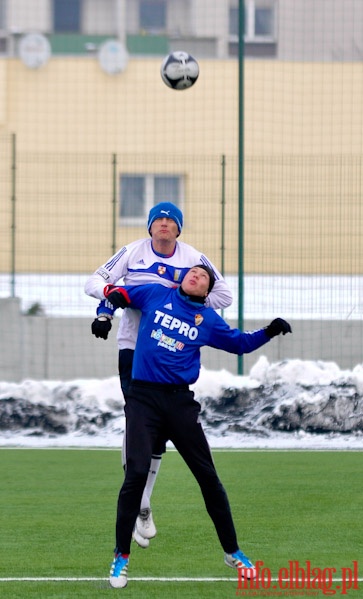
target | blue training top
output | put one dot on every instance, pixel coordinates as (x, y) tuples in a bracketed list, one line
[(173, 329)]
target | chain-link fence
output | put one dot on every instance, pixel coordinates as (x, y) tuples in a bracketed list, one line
[(64, 215)]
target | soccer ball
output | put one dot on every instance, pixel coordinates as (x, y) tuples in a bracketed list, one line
[(179, 70)]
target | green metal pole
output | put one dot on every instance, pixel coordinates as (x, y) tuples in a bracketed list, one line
[(13, 215), (223, 201), (114, 201), (241, 27), (223, 217)]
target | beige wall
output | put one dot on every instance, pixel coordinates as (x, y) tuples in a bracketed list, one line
[(303, 168), (290, 108), (304, 108), (71, 105)]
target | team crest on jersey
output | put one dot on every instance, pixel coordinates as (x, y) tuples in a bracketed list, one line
[(177, 273), (161, 270), (198, 319)]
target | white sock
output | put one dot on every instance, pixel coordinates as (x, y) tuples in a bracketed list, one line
[(151, 478)]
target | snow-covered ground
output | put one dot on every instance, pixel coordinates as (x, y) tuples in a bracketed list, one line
[(287, 405)]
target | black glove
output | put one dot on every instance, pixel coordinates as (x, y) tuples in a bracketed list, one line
[(101, 327), (118, 296), (278, 326)]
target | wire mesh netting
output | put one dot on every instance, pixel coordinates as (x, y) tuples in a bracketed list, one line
[(91, 138)]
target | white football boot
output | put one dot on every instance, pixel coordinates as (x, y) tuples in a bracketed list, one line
[(145, 525), (141, 541)]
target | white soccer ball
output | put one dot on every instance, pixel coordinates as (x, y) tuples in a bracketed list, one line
[(179, 70)]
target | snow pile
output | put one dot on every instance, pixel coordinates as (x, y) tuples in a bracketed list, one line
[(284, 404)]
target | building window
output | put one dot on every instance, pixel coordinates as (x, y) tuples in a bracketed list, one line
[(233, 22), (263, 22), (67, 16), (152, 15), (260, 39), (139, 193), (259, 20)]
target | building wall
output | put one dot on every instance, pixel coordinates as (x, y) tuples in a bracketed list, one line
[(3, 93), (25, 15), (323, 30), (307, 30), (71, 105), (36, 15), (303, 127), (99, 18)]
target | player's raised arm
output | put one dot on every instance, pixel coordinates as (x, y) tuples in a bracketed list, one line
[(109, 273)]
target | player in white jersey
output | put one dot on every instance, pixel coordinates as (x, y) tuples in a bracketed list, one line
[(161, 258)]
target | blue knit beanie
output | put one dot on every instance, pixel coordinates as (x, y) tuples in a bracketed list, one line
[(165, 210)]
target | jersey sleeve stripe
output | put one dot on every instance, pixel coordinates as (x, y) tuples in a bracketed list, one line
[(111, 263)]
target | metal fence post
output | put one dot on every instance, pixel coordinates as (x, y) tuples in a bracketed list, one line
[(114, 201), (223, 201), (13, 215), (241, 28), (223, 218)]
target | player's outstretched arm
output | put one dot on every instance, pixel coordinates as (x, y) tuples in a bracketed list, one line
[(244, 342), (109, 273)]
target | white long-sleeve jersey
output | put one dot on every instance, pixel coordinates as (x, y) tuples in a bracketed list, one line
[(137, 264)]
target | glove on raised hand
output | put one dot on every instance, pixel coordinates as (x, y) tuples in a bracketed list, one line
[(118, 296), (101, 327), (278, 326)]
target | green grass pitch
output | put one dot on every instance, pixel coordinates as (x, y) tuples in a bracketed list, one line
[(58, 511)]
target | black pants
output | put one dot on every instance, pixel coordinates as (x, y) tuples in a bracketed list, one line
[(154, 410), (125, 358)]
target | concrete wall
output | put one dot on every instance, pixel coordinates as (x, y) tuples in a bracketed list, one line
[(40, 348)]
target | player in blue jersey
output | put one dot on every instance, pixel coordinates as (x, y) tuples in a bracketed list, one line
[(175, 324), (161, 258)]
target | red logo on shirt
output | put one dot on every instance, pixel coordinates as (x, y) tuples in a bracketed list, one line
[(198, 319)]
